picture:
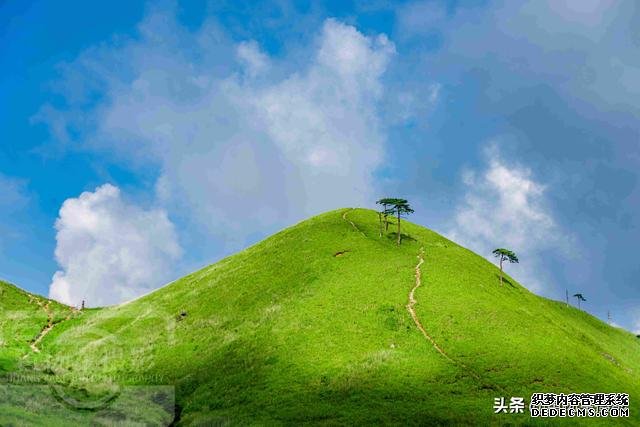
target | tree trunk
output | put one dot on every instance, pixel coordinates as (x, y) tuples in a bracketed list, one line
[(567, 292), (398, 227), (501, 259), (386, 222), (380, 219)]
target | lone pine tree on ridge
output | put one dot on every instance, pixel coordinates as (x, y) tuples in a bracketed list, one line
[(579, 297), (505, 255), (398, 206), (384, 214)]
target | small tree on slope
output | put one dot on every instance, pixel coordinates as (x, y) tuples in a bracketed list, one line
[(384, 213), (398, 206), (505, 255), (579, 297)]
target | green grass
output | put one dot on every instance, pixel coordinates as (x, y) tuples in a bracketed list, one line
[(287, 333), (21, 321)]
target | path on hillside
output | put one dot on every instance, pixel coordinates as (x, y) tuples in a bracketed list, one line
[(412, 299), (344, 216), (416, 320), (412, 311), (50, 324), (410, 307)]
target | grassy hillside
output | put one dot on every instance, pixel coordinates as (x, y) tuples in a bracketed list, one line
[(311, 325), (23, 316)]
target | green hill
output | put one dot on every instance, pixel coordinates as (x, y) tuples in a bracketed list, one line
[(312, 326), (23, 318)]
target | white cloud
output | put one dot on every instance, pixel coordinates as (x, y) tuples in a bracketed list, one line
[(241, 156), (357, 60), (504, 206), (251, 56), (110, 250), (325, 121)]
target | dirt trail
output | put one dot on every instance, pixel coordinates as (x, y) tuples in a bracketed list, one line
[(50, 324), (412, 300), (414, 316), (412, 311), (344, 216), (46, 329)]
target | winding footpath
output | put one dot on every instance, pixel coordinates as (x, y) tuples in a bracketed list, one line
[(412, 299), (416, 320), (344, 216), (412, 311), (50, 324), (46, 329)]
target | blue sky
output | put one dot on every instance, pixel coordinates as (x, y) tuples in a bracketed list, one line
[(140, 141)]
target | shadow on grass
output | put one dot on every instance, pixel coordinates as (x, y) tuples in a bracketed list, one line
[(254, 383), (393, 236), (324, 399), (505, 280)]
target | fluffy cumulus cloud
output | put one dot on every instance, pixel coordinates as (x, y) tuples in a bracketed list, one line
[(325, 121), (503, 206), (254, 60), (243, 143), (110, 250)]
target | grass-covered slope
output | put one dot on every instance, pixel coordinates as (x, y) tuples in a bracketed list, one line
[(311, 325), (22, 318)]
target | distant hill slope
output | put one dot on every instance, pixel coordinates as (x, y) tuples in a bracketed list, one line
[(311, 325)]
